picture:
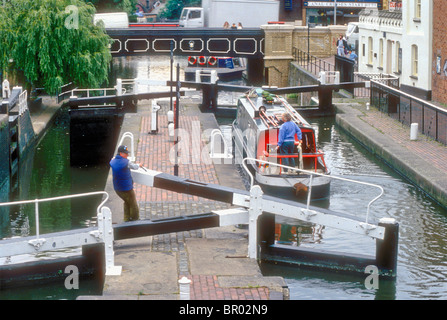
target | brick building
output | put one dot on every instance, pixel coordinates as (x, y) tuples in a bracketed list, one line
[(439, 81)]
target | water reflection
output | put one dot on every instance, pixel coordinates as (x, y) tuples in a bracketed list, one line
[(45, 172), (422, 267)]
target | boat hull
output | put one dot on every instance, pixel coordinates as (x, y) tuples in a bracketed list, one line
[(224, 74), (294, 187)]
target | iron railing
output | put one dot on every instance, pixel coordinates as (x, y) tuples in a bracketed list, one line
[(386, 79), (431, 120), (311, 63)]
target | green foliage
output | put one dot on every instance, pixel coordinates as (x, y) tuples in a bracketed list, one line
[(53, 42), (128, 6), (174, 8)]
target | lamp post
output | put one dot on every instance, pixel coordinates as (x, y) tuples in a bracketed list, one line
[(335, 12), (309, 25), (176, 121), (172, 60)]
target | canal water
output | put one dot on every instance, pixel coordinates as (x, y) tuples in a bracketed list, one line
[(422, 263)]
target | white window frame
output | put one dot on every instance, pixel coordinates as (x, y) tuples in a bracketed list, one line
[(370, 50), (414, 60)]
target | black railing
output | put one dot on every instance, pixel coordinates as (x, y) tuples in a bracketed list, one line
[(431, 120), (311, 63), (386, 79)]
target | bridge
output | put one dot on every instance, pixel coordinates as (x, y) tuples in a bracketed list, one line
[(248, 43), (268, 49)]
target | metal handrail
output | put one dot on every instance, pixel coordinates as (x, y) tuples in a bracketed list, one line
[(213, 134), (310, 184), (37, 201)]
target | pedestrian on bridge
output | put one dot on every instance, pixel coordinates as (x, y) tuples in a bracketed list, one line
[(123, 183)]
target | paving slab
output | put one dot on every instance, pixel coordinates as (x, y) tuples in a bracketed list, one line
[(144, 272)]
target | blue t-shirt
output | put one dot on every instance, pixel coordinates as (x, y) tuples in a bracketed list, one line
[(287, 132), (122, 179)]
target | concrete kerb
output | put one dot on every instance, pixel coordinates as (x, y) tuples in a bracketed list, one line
[(407, 163)]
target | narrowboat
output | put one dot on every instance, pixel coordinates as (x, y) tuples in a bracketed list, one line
[(255, 135), (227, 68)]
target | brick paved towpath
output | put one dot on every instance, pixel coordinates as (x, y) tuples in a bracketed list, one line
[(213, 259), (421, 161)]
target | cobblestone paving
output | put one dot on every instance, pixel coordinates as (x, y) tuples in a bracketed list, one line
[(153, 152), (431, 150)]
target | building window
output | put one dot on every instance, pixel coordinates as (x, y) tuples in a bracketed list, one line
[(414, 60), (381, 53), (417, 9), (370, 50)]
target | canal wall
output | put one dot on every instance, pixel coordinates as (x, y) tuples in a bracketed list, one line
[(4, 152), (422, 162)]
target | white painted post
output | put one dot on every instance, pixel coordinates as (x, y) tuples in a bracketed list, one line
[(154, 115), (171, 131), (254, 211), (170, 116), (106, 229), (414, 132), (119, 87), (322, 77), (185, 288), (6, 91), (337, 77)]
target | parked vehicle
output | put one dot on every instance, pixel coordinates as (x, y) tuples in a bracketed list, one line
[(352, 35), (112, 20), (214, 13)]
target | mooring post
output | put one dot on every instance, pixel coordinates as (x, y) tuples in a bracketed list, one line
[(386, 249)]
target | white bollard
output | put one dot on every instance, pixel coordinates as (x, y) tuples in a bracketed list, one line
[(171, 131), (170, 116), (367, 106), (154, 117), (414, 132), (185, 288), (119, 87)]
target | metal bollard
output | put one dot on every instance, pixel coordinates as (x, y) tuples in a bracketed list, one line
[(171, 132), (154, 117), (185, 288), (414, 132), (170, 116)]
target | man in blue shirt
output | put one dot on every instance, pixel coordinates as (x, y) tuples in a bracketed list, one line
[(352, 56), (123, 183), (286, 139)]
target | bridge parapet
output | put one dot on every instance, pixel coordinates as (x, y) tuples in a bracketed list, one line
[(246, 42)]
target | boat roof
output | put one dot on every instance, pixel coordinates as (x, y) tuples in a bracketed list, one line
[(268, 115)]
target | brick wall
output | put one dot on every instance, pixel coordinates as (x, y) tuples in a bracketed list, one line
[(439, 84)]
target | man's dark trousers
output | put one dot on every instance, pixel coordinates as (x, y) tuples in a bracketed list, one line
[(131, 210)]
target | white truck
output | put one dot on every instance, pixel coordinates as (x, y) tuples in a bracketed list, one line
[(214, 13), (112, 20)]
